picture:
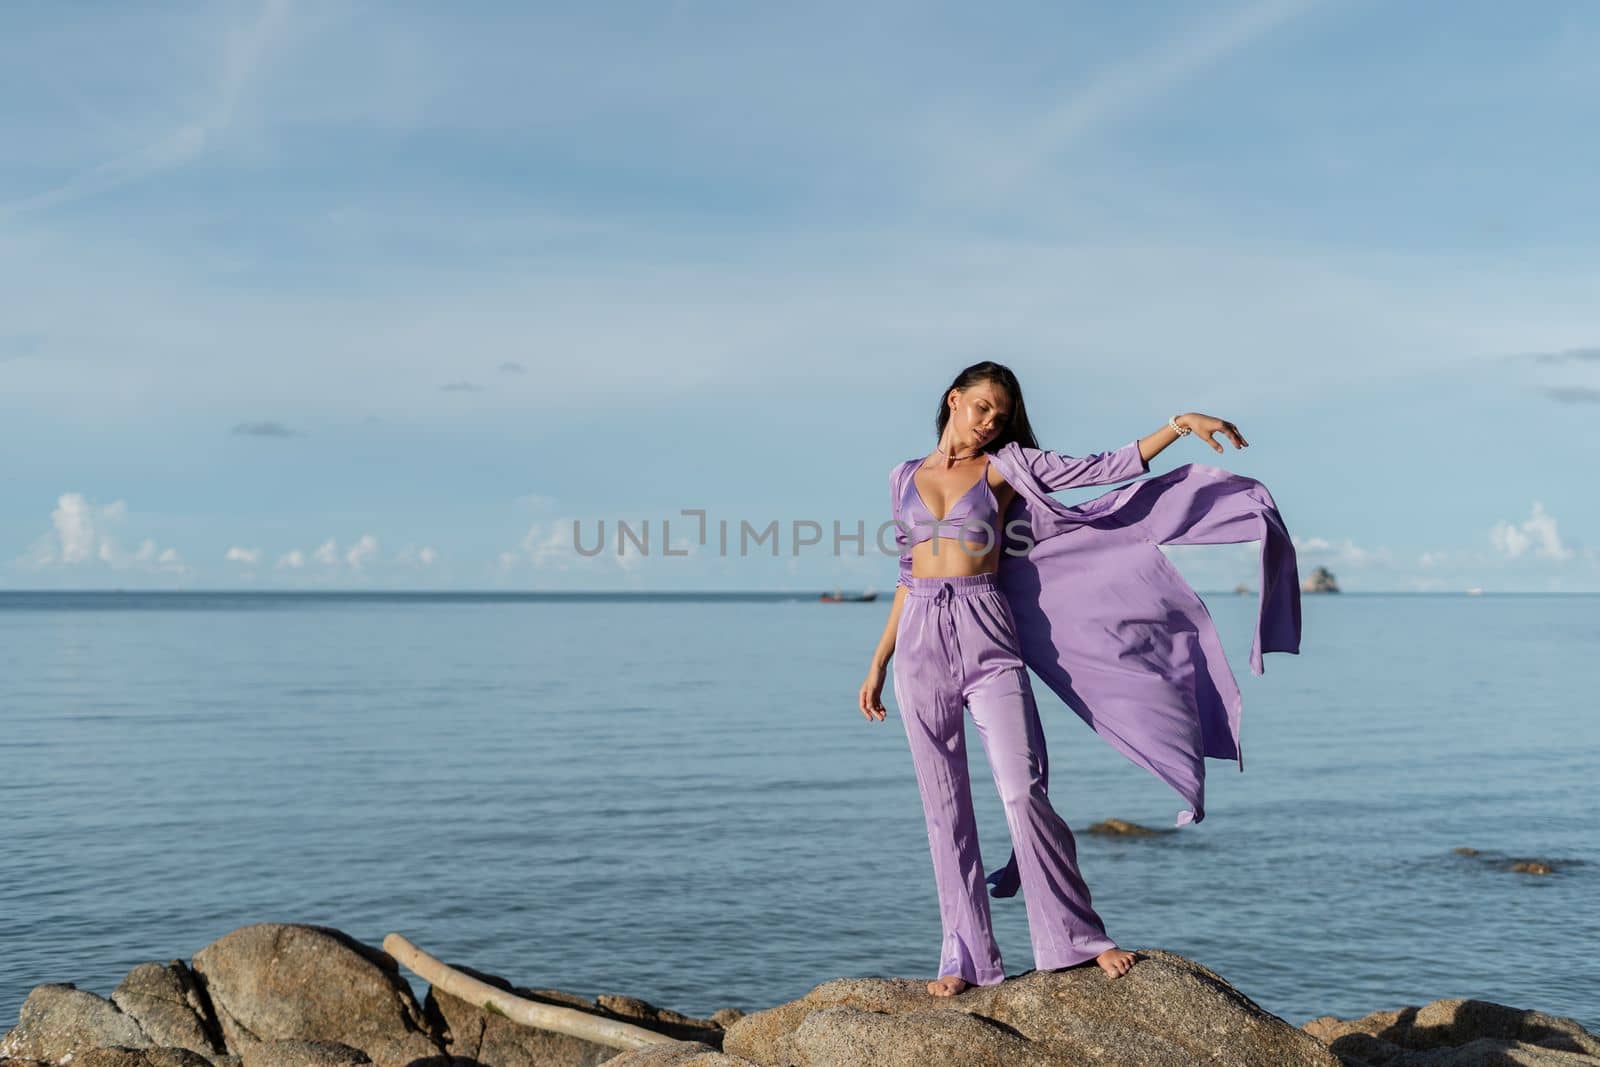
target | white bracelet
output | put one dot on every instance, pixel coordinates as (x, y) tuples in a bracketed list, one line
[(1181, 431)]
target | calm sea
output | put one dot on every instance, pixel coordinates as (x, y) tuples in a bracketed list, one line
[(674, 797)]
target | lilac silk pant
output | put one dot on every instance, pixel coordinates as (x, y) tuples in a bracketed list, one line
[(956, 646)]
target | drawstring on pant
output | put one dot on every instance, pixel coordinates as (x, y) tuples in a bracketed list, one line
[(947, 626)]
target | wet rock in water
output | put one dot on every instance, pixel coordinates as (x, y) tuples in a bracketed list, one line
[(1457, 1033), (275, 981), (484, 1035), (1166, 1011), (1514, 864), (1123, 828)]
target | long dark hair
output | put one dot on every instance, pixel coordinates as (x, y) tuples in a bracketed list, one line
[(1017, 427)]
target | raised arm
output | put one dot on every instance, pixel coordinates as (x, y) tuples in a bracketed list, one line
[(1057, 470)]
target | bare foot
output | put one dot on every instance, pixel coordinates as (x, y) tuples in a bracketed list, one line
[(1115, 961), (948, 986)]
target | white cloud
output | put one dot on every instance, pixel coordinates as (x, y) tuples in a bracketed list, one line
[(1319, 550), (248, 556), (552, 545), (74, 523), (363, 550), (359, 557), (548, 545), (426, 556), (82, 534), (1537, 532)]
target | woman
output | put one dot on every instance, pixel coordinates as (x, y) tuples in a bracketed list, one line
[(957, 643)]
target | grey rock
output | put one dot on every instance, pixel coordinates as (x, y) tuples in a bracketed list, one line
[(58, 1019), (663, 1020), (274, 981), (850, 1035), (682, 1054), (1166, 1011), (155, 1056), (171, 1008), (298, 1052), (1457, 1032)]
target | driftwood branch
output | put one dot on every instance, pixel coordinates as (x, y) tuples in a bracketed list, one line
[(609, 1032)]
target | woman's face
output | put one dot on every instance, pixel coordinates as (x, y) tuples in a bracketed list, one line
[(979, 412)]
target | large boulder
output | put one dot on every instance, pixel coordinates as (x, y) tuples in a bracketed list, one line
[(1166, 1011), (1457, 1033), (278, 981), (475, 1033)]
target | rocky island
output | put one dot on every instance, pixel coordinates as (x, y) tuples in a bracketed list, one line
[(295, 995), (1320, 580)]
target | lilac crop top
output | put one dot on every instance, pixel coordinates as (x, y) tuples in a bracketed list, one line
[(1052, 470), (974, 516)]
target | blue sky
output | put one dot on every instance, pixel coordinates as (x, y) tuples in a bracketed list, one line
[(386, 296)]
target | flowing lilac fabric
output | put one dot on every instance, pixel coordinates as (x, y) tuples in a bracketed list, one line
[(1111, 626)]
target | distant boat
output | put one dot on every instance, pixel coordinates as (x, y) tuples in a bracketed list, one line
[(840, 597)]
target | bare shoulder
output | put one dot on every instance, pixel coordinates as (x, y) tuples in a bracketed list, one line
[(993, 471), (1003, 490)]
